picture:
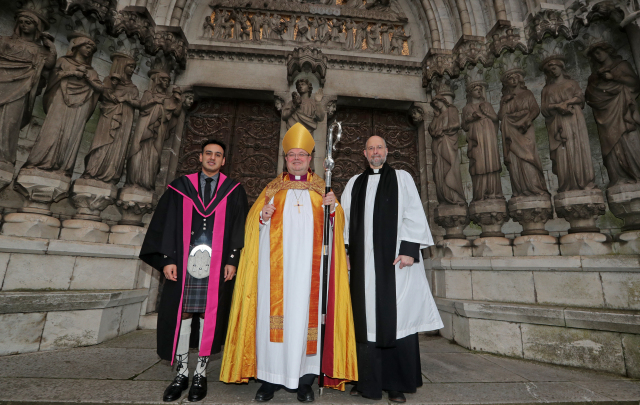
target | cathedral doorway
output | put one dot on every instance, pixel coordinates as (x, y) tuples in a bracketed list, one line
[(251, 131), (358, 124)]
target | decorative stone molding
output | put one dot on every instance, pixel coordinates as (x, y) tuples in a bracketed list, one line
[(236, 54), (374, 65), (374, 11), (133, 21), (306, 59)]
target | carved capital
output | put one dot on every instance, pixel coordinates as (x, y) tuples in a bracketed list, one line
[(471, 49), (438, 62), (306, 59), (504, 37), (416, 114), (547, 22), (331, 107)]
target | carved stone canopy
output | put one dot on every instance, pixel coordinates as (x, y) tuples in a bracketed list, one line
[(306, 59)]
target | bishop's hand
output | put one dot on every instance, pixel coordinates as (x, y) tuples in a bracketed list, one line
[(405, 261), (330, 199), (267, 210), (171, 272)]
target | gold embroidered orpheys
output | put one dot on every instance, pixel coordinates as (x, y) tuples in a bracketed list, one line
[(282, 182), (312, 335), (276, 322)]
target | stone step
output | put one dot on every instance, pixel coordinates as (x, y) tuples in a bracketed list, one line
[(39, 321), (597, 339)]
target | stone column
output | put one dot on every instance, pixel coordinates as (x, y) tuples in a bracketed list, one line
[(582, 208), (133, 202), (90, 197), (533, 212), (41, 188), (624, 203)]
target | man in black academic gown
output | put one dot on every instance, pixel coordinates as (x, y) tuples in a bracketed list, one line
[(195, 238), (386, 228)]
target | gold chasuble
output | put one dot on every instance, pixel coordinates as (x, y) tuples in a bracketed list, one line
[(339, 351)]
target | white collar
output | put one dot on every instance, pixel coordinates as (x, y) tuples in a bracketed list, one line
[(376, 171), (297, 177)]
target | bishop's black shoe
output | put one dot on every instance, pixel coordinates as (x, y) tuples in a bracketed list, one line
[(305, 393), (198, 388), (397, 396), (354, 391), (265, 392), (174, 390)]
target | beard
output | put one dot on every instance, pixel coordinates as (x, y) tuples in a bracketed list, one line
[(377, 161)]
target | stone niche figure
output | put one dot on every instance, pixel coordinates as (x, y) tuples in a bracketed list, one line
[(480, 121), (612, 90), (106, 158), (446, 160), (518, 109), (23, 58), (69, 101), (562, 104), (148, 139), (303, 108)]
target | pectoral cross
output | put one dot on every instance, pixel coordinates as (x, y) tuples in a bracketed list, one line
[(298, 205)]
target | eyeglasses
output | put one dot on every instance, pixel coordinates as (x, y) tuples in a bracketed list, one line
[(297, 155)]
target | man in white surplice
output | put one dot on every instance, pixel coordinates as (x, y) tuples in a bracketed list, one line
[(385, 229)]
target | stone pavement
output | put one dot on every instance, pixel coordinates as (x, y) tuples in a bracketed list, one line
[(126, 370)]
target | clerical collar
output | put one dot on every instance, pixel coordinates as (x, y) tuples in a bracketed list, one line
[(376, 171), (298, 178)]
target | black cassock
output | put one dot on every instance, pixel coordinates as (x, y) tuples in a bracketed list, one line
[(389, 363), (179, 217)]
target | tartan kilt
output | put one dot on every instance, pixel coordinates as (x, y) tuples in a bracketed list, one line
[(195, 294)]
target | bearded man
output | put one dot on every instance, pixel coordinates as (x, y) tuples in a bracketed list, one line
[(392, 302)]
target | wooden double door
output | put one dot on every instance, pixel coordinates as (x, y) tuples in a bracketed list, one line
[(251, 131)]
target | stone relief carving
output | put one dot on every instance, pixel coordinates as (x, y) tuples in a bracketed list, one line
[(612, 90), (416, 114), (480, 121), (444, 130), (337, 33), (518, 109), (71, 96), (562, 104), (106, 157), (24, 58), (547, 22), (156, 109), (303, 108)]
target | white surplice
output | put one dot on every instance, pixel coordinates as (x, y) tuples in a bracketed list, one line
[(284, 363), (416, 309)]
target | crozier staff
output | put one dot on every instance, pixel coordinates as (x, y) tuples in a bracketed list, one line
[(195, 238), (386, 228)]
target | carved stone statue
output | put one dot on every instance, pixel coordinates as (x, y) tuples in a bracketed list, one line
[(386, 41), (562, 104), (397, 40), (256, 22), (350, 27), (302, 108), (361, 34), (23, 58), (518, 109), (207, 27), (612, 90), (480, 121), (373, 38), (69, 101), (218, 21), (106, 158), (151, 130), (446, 160)]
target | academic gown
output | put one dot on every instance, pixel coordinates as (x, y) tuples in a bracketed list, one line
[(390, 304), (167, 241)]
